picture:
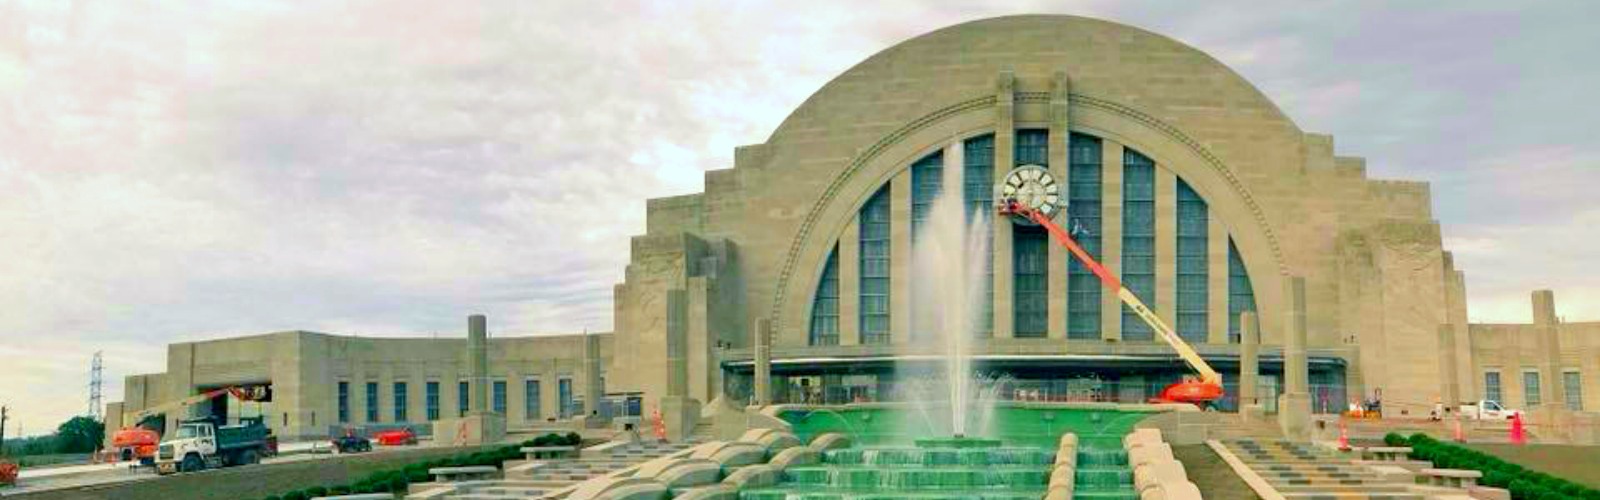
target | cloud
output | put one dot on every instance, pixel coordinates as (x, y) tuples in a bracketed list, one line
[(179, 171)]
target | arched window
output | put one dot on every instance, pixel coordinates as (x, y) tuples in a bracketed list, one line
[(825, 306)]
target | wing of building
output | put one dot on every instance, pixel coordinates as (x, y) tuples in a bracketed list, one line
[(1186, 181)]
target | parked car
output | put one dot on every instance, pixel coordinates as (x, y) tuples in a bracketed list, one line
[(396, 437), (351, 443)]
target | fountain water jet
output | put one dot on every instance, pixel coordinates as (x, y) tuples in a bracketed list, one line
[(950, 260)]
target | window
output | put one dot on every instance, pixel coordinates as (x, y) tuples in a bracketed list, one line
[(1491, 386), (372, 401), (432, 400), (1530, 389), (462, 393), (1241, 297), (1031, 298), (564, 396), (977, 189), (1193, 281), (1083, 206), (875, 269), (1138, 239), (1032, 147), (530, 394), (1572, 387), (500, 397), (927, 181), (400, 402), (825, 307), (344, 402)]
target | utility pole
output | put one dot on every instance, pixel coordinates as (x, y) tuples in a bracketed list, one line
[(96, 404), (4, 414)]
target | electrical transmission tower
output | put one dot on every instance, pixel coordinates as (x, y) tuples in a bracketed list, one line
[(96, 410)]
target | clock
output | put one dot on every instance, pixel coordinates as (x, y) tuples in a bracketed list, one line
[(1033, 187)]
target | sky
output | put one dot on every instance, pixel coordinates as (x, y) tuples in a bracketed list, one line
[(174, 171)]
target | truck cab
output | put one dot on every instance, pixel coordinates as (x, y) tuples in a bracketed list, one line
[(204, 444), (1487, 409), (188, 449)]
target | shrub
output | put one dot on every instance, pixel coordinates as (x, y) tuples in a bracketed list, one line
[(573, 439), (272, 497), (1394, 439), (316, 491), (1521, 482), (296, 495)]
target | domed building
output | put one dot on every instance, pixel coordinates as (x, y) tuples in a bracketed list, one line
[(791, 277), (1179, 175)]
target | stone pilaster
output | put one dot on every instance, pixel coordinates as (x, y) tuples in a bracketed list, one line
[(1217, 281), (1166, 292), (592, 391), (1294, 408), (900, 257), (1056, 277), (1551, 392), (763, 365), (1449, 388), (677, 343), (478, 357), (849, 283), (1111, 236), (1005, 134), (1249, 366)]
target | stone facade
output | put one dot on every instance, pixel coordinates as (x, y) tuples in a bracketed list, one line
[(305, 369), (1382, 298)]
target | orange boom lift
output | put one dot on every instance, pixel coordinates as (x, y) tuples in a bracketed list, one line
[(1199, 392)]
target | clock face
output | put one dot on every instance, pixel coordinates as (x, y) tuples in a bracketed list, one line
[(1033, 187)]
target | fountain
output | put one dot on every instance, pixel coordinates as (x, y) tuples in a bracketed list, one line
[(954, 436)]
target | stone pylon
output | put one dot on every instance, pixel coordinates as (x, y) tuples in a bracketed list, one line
[(1294, 407), (1249, 366)]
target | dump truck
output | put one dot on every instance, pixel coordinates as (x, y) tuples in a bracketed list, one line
[(200, 444)]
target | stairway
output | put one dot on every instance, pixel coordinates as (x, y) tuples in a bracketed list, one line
[(1302, 471), (535, 479)]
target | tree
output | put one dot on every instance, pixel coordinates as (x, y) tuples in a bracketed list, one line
[(80, 435)]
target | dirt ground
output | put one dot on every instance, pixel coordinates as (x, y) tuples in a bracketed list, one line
[(1214, 477), (1576, 463)]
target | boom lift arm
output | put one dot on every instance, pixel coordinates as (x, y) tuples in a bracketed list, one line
[(1209, 387)]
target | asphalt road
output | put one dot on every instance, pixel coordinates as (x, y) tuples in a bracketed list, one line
[(276, 476)]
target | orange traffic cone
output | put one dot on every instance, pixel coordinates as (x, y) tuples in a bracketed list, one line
[(1344, 437), (1460, 436), (1519, 436)]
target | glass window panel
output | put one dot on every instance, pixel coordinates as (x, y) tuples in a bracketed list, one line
[(825, 306), (1572, 388), (1530, 390), (432, 400), (1030, 295), (875, 243), (531, 395), (400, 402), (978, 192), (1241, 297), (1491, 386)]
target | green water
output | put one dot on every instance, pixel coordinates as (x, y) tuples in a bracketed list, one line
[(896, 455)]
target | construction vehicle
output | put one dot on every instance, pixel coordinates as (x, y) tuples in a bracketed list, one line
[(201, 444), (140, 440), (1029, 192)]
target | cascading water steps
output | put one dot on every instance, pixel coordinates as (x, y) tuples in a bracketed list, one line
[(1103, 473), (934, 470)]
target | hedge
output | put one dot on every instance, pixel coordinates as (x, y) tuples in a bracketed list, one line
[(1522, 482), (399, 480)]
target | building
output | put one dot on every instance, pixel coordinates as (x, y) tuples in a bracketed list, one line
[(1189, 183)]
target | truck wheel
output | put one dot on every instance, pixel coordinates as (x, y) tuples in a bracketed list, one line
[(249, 457), (127, 455), (191, 463)]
